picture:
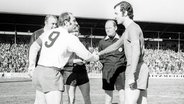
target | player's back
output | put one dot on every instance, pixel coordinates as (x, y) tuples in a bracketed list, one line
[(54, 48)]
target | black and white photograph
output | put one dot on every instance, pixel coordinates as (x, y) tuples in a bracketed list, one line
[(91, 52)]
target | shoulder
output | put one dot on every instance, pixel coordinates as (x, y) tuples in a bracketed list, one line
[(134, 26), (70, 38), (102, 41), (134, 29), (44, 34), (39, 31), (57, 31), (61, 31)]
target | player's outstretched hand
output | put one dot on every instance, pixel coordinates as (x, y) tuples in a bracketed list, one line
[(96, 56)]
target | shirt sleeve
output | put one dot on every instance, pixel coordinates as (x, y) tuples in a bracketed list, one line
[(32, 39), (77, 47), (34, 49)]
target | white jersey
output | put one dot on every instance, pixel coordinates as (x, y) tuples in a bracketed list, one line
[(57, 47)]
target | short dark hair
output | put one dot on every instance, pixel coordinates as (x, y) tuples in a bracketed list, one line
[(64, 17), (125, 6)]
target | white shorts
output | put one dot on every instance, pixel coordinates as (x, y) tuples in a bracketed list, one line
[(141, 76), (47, 79)]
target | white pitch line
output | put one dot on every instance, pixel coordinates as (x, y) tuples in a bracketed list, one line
[(167, 96), (22, 95)]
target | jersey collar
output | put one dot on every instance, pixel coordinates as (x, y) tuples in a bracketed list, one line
[(116, 37)]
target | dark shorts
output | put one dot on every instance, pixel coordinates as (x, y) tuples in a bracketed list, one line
[(116, 81), (78, 76)]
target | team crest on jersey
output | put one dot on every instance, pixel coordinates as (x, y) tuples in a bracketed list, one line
[(120, 49)]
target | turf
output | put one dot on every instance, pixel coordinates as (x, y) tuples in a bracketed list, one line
[(161, 91)]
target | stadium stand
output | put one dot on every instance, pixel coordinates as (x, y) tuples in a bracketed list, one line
[(164, 49)]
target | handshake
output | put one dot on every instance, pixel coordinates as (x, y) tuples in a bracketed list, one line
[(95, 56)]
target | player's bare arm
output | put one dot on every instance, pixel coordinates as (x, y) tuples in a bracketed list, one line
[(112, 47), (133, 36), (34, 49)]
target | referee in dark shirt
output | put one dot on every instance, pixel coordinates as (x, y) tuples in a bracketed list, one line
[(114, 64)]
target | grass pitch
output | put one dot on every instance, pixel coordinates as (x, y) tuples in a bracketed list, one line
[(160, 91)]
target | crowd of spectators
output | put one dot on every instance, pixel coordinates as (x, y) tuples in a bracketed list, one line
[(14, 58), (164, 61)]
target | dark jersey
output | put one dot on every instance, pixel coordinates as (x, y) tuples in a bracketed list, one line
[(34, 37), (116, 57), (111, 61)]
